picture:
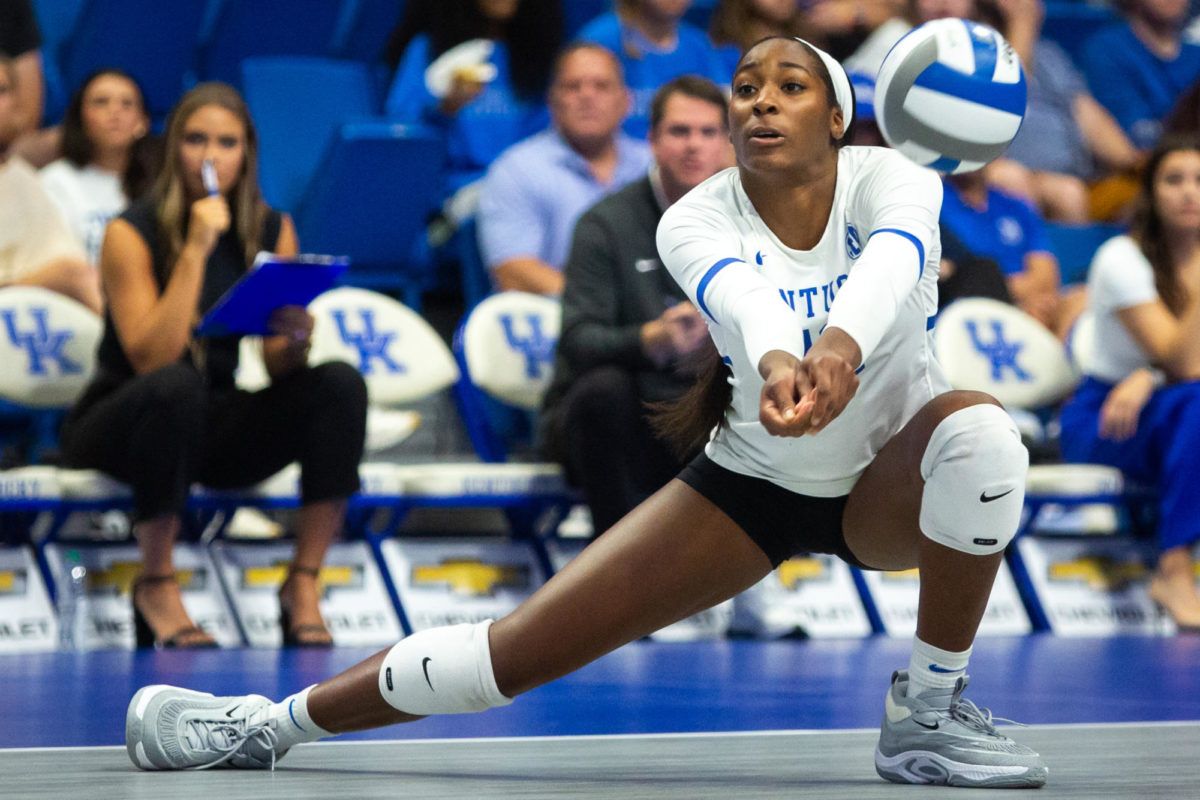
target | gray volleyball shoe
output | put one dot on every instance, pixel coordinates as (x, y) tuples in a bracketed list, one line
[(171, 728), (948, 740)]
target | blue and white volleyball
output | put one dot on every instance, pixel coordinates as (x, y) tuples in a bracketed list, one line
[(950, 95)]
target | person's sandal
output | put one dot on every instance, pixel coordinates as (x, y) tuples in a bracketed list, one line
[(186, 638), (310, 635)]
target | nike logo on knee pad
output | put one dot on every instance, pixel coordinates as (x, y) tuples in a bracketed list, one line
[(425, 669), (984, 498)]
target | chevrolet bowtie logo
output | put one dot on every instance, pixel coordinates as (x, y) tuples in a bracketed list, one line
[(795, 570), (472, 577), (119, 576), (12, 581), (331, 576), (1101, 573)]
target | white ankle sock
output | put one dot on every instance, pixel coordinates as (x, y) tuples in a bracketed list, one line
[(293, 723), (932, 670)]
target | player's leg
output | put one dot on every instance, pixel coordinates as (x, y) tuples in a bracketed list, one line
[(945, 495), (673, 553)]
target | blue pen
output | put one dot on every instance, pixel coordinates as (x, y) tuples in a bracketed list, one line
[(208, 174)]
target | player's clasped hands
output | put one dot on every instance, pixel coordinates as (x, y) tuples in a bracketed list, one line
[(803, 395)]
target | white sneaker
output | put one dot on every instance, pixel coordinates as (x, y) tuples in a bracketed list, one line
[(171, 728), (946, 739)]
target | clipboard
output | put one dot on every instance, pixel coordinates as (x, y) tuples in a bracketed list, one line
[(273, 282)]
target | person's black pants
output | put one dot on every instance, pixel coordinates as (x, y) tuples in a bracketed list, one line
[(162, 431), (600, 434)]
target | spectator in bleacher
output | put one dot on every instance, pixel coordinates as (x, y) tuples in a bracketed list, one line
[(1065, 129), (479, 114), (1138, 69), (628, 328), (36, 246), (655, 44), (844, 25), (868, 57), (105, 162), (534, 193), (1006, 229), (163, 412), (1138, 408), (1066, 134), (21, 40), (963, 273), (738, 24)]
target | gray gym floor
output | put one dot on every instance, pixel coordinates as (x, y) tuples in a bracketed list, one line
[(1087, 762)]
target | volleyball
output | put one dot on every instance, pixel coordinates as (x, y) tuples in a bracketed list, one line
[(950, 95)]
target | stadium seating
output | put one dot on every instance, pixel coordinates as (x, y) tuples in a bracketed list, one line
[(56, 19), (298, 103), (370, 199), (1074, 246), (154, 42), (365, 27), (505, 351), (47, 346), (241, 29)]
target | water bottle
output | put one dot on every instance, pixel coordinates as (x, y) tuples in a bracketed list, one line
[(72, 591)]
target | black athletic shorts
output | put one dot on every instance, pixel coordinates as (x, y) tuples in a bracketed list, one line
[(782, 523)]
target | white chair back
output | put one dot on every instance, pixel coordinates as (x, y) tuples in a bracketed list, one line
[(508, 344), (401, 357), (996, 348), (47, 347)]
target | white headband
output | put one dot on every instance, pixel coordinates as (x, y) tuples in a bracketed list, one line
[(841, 82)]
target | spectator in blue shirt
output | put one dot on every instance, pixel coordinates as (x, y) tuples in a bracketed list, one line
[(479, 119), (1007, 230), (535, 192), (655, 45), (1138, 69), (1068, 138)]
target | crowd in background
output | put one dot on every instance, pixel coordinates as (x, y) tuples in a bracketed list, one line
[(563, 149)]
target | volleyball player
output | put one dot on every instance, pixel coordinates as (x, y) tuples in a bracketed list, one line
[(832, 430)]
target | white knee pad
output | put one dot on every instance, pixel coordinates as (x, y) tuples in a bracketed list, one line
[(974, 469), (441, 671)]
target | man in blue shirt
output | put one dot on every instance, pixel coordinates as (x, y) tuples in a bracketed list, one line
[(655, 45), (1140, 68), (1007, 230), (538, 188)]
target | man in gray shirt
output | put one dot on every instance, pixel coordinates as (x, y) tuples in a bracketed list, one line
[(627, 326)]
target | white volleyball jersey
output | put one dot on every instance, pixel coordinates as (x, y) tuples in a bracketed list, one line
[(873, 274)]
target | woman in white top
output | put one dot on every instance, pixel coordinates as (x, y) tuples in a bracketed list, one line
[(104, 164), (832, 430), (1139, 407)]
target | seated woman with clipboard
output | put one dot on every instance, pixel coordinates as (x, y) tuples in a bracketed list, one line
[(163, 411)]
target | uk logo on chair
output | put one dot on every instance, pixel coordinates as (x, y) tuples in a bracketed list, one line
[(996, 348), (372, 344), (534, 344), (47, 347), (505, 350), (1002, 352)]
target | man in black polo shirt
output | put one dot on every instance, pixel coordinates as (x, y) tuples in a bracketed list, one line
[(627, 326)]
